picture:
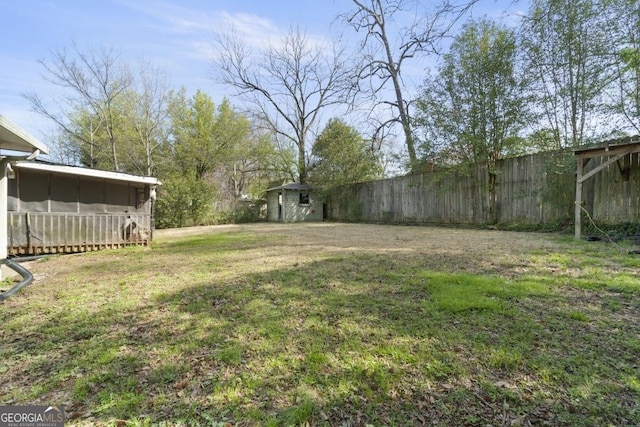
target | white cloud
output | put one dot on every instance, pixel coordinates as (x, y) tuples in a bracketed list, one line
[(252, 26), (198, 25)]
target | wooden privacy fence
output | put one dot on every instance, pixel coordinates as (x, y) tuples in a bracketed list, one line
[(417, 198), (533, 189), (44, 233)]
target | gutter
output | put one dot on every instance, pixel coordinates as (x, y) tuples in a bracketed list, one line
[(27, 278)]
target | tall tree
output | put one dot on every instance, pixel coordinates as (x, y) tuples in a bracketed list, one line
[(146, 114), (84, 132), (475, 107), (95, 79), (219, 158), (569, 52), (340, 156), (385, 54), (625, 91), (203, 137), (289, 84), (203, 134)]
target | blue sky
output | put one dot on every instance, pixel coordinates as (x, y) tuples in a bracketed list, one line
[(173, 35)]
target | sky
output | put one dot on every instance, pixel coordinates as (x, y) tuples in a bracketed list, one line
[(174, 36)]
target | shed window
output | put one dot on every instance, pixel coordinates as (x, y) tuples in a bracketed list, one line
[(304, 198)]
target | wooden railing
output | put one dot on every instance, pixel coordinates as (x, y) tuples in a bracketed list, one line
[(44, 233)]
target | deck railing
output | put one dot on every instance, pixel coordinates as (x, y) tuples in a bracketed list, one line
[(35, 233)]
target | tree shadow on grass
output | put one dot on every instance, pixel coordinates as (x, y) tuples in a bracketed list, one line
[(348, 340), (361, 339)]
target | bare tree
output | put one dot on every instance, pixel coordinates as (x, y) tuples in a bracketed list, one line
[(146, 111), (384, 54), (625, 92), (568, 47), (287, 85), (96, 79)]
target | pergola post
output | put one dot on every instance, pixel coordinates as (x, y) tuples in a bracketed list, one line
[(578, 202)]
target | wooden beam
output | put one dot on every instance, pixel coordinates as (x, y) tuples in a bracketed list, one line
[(609, 151), (578, 202), (605, 164)]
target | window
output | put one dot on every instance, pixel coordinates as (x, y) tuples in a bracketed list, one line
[(304, 198)]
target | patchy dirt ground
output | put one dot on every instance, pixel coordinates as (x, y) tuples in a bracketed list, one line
[(473, 250), (502, 253), (133, 333), (387, 235), (385, 238), (506, 254)]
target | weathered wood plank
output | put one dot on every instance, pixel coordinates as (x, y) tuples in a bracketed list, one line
[(532, 189)]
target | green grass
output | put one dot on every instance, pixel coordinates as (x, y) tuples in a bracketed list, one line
[(252, 328)]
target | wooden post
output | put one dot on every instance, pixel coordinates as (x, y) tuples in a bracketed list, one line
[(578, 203), (4, 195)]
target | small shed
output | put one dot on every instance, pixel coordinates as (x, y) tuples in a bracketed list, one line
[(55, 208), (294, 203)]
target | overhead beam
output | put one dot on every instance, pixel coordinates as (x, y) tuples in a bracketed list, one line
[(611, 150), (607, 163)]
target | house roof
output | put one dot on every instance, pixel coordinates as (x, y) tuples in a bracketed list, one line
[(14, 138), (294, 186), (87, 172)]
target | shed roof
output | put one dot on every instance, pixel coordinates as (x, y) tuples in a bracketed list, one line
[(15, 138), (609, 147), (93, 173), (294, 186)]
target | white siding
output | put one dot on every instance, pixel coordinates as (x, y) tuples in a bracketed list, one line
[(292, 210)]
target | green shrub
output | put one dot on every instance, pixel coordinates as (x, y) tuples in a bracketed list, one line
[(183, 201)]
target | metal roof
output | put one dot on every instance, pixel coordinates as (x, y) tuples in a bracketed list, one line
[(294, 186), (14, 138), (93, 173)]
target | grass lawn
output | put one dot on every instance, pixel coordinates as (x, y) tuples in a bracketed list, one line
[(331, 324)]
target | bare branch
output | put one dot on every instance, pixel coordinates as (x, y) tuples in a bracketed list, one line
[(96, 78), (289, 85), (384, 61)]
